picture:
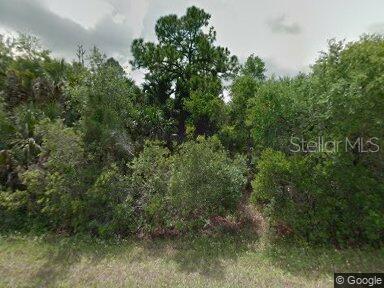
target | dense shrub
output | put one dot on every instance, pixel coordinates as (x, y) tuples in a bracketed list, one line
[(186, 189), (6, 128), (151, 172), (320, 198), (333, 196), (109, 205), (205, 182), (53, 186)]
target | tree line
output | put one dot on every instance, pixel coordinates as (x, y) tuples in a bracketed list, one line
[(84, 149)]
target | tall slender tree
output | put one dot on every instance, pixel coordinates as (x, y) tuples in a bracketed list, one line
[(185, 49)]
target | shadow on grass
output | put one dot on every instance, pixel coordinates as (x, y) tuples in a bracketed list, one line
[(202, 254), (62, 253), (208, 256), (307, 261)]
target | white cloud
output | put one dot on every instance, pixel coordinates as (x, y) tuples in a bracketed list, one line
[(288, 43), (62, 34)]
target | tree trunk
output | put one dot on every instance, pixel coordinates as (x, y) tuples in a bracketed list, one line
[(181, 129)]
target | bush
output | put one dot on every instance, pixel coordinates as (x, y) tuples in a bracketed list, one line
[(52, 194), (6, 128), (320, 198), (184, 190), (204, 182), (151, 172), (64, 193), (110, 204)]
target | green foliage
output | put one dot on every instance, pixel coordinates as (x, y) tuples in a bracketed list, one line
[(109, 203), (185, 189), (151, 172), (6, 128), (254, 67), (205, 182), (62, 146), (207, 110), (85, 150), (185, 51), (236, 135), (274, 169), (271, 114), (320, 198), (63, 150), (109, 118), (53, 186)]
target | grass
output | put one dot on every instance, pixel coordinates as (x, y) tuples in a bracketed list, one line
[(229, 261)]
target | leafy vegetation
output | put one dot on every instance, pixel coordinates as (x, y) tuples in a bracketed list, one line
[(84, 150)]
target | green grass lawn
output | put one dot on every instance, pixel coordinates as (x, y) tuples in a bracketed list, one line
[(229, 261)]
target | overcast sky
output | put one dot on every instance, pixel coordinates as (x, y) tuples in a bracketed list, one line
[(287, 34)]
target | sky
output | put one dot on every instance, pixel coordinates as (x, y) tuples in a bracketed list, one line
[(287, 34)]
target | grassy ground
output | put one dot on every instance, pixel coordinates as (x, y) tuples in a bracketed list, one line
[(230, 261)]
